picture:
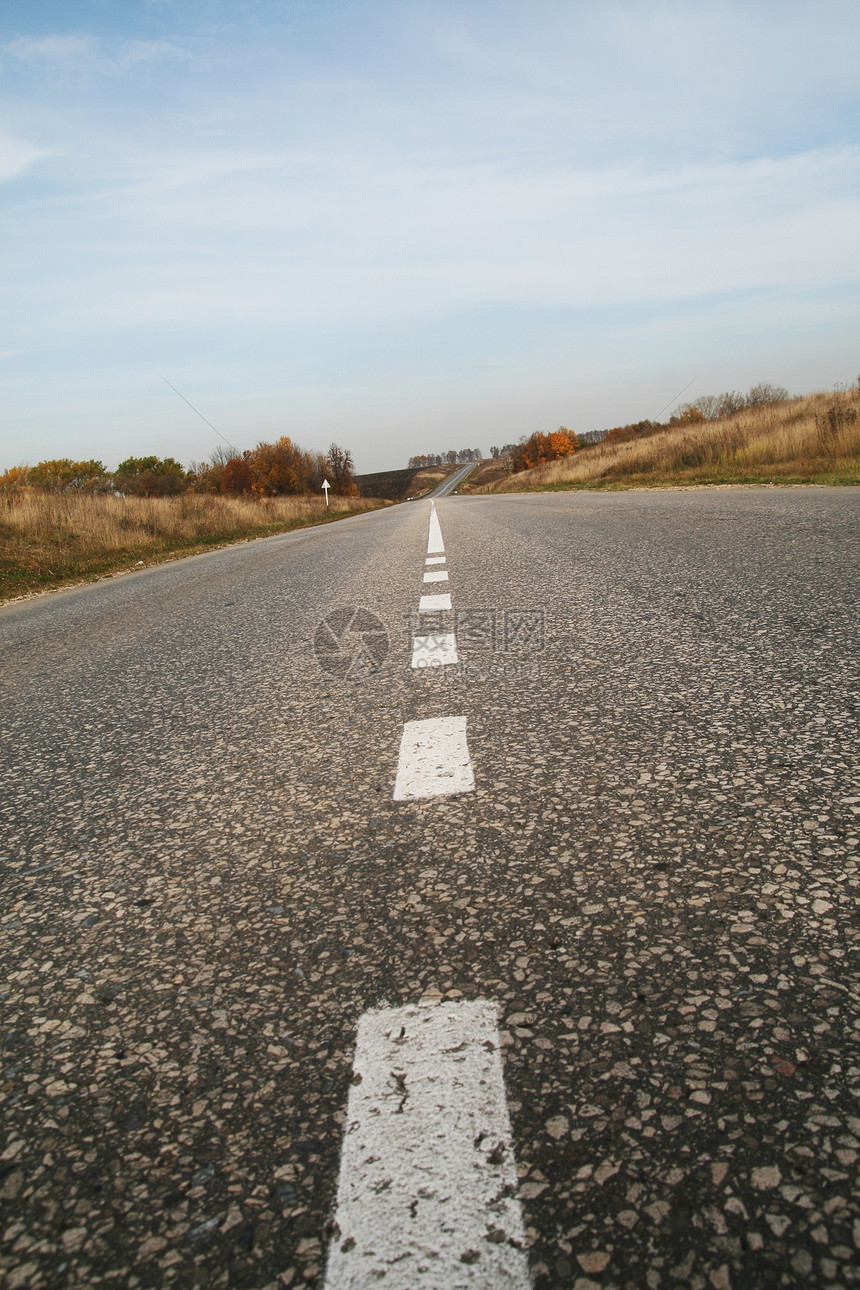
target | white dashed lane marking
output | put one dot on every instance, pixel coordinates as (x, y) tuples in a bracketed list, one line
[(438, 650), (434, 760), (435, 545), (435, 559), (428, 1183)]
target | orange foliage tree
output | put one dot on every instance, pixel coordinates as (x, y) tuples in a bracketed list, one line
[(543, 447), (284, 467), (14, 481), (236, 476)]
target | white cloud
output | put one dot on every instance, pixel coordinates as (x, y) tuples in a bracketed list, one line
[(291, 238), (130, 53), (17, 156), (49, 49), (88, 55)]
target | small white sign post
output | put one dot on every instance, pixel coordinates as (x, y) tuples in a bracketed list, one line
[(326, 486)]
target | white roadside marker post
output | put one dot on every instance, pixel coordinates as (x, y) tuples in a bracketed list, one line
[(326, 486)]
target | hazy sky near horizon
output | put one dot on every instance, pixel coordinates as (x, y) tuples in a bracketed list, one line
[(414, 226)]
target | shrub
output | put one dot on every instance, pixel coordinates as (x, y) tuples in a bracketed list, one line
[(65, 476), (149, 477), (831, 423)]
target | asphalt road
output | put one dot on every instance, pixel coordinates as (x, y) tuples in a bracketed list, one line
[(207, 881), (453, 481)]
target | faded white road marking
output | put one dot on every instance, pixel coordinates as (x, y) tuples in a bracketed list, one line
[(436, 650), (427, 1189), (434, 760), (429, 604), (435, 559), (436, 575), (435, 545)]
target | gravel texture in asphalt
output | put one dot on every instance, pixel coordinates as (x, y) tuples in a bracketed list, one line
[(207, 881)]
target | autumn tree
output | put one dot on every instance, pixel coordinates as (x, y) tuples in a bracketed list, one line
[(635, 430), (729, 403), (63, 475), (540, 447), (149, 477), (14, 480), (203, 477), (236, 477), (340, 471), (284, 467), (207, 476), (764, 392), (278, 467)]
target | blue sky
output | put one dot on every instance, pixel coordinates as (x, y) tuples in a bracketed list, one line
[(413, 226)]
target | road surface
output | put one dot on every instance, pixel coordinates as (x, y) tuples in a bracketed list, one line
[(453, 481), (647, 896)]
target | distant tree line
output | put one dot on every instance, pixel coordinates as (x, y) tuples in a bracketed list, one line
[(268, 470), (453, 457), (713, 407), (709, 407), (275, 468), (60, 476)]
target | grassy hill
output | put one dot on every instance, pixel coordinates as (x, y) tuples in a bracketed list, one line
[(814, 439), (491, 470), (397, 485)]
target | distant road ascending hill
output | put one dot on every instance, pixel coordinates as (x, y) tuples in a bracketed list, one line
[(397, 485), (453, 481)]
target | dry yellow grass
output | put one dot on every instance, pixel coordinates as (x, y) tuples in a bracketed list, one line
[(489, 471), (813, 440), (48, 540)]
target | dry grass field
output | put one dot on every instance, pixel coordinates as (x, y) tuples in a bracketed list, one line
[(810, 440), (51, 539)]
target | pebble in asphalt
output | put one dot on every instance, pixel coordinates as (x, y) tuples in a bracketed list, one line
[(207, 881)]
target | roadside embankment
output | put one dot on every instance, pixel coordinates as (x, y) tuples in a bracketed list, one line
[(814, 439), (49, 540)]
